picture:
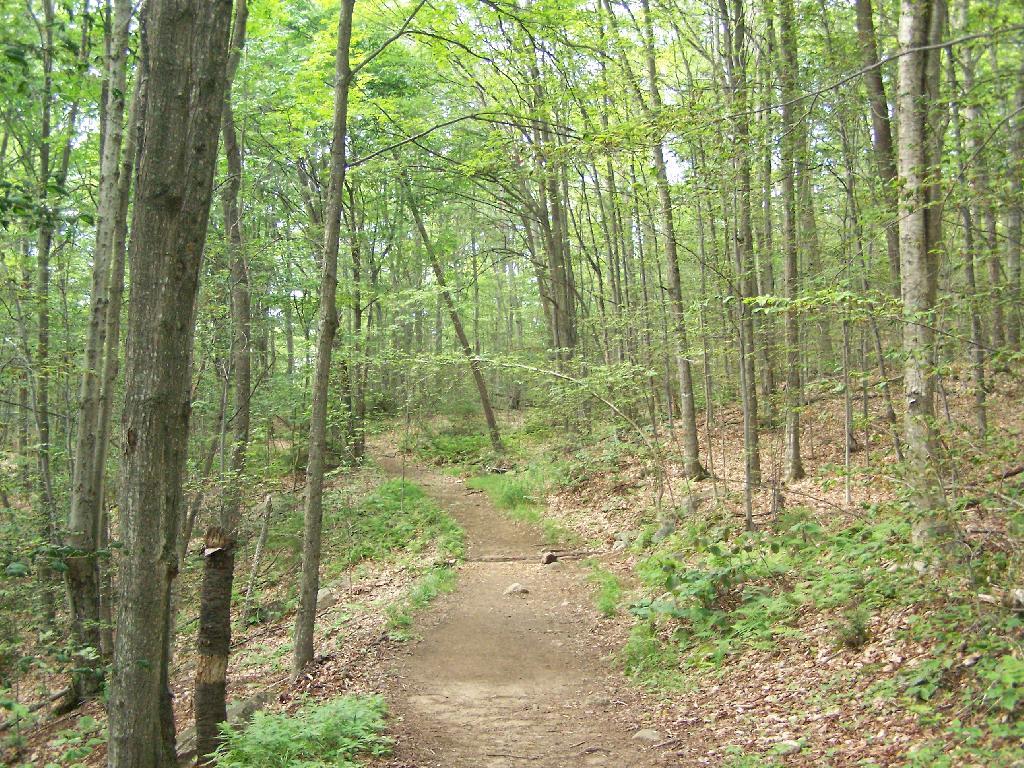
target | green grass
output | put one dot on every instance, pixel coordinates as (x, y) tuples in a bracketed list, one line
[(454, 445), (522, 497), (397, 518), (437, 581), (336, 734), (608, 593)]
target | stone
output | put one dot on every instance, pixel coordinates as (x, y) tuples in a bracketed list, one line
[(647, 736), (240, 712), (326, 598), (516, 589)]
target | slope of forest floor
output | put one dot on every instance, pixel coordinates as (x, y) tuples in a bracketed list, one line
[(824, 638), (388, 551)]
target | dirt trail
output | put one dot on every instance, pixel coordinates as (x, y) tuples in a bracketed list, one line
[(499, 681)]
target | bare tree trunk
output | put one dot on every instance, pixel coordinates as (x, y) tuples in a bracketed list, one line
[(257, 555), (736, 64), (185, 53), (112, 358), (1016, 214), (977, 345), (313, 519), (213, 640), (881, 133), (916, 169), (687, 411), (357, 430), (794, 468), (453, 313), (83, 575)]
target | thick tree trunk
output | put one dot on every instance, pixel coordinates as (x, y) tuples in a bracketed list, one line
[(185, 53), (305, 617)]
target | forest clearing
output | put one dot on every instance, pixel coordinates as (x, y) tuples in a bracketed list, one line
[(443, 384)]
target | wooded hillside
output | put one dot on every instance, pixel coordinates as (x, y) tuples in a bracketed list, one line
[(747, 272)]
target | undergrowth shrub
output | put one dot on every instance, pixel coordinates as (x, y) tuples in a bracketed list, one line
[(336, 734), (852, 630)]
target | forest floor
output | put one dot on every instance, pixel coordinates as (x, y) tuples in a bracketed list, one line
[(511, 669), (826, 639)]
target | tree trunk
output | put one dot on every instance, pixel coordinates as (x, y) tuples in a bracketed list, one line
[(917, 253), (83, 576), (305, 617), (453, 313), (213, 640), (794, 468), (184, 58), (881, 133), (692, 467), (1016, 214)]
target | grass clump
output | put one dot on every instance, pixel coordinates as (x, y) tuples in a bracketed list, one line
[(522, 497), (852, 630), (438, 581), (651, 662), (337, 734), (455, 444), (609, 590)]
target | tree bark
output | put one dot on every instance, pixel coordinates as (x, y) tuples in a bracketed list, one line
[(213, 640), (184, 56), (794, 469), (83, 575), (881, 133), (471, 357), (313, 517), (916, 169)]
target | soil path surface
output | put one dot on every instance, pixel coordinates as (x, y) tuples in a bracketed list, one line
[(500, 680)]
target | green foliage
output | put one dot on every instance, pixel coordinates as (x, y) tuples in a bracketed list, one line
[(522, 496), (77, 744), (650, 661), (608, 594), (1004, 682), (852, 630), (336, 734), (397, 516), (457, 444), (439, 580)]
